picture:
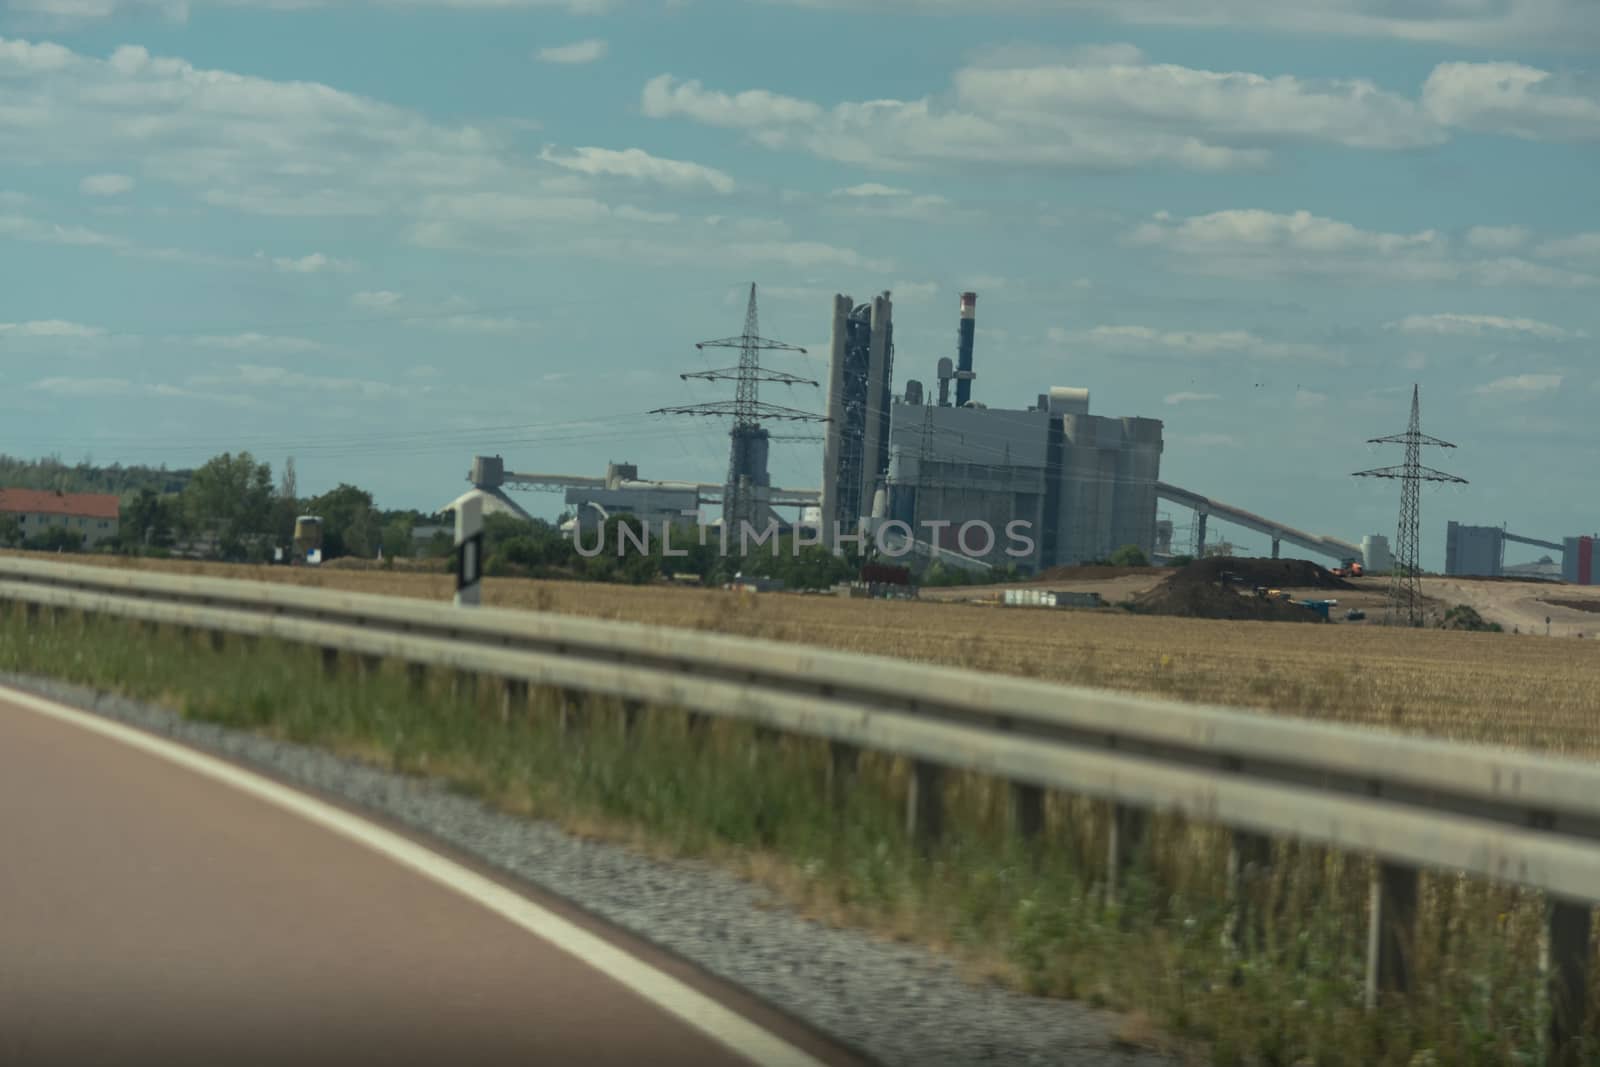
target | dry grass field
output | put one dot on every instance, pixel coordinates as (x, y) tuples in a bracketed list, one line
[(1520, 690)]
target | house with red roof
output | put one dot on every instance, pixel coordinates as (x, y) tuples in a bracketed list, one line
[(37, 510)]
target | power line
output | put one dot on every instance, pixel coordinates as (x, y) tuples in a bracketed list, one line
[(1405, 586)]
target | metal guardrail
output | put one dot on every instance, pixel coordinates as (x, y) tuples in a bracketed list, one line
[(1508, 816)]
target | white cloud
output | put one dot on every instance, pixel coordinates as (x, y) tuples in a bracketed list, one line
[(49, 328), (587, 51), (1514, 100), (1144, 340), (516, 224), (1264, 245), (84, 386), (1497, 238), (1580, 246), (1202, 440), (1479, 325), (886, 201), (259, 376), (257, 342), (1188, 398), (1495, 23), (640, 165), (1103, 108), (1309, 399), (235, 141), (1521, 383), (38, 231), (105, 185), (480, 324), (872, 189), (315, 263), (69, 12), (913, 292), (375, 299)]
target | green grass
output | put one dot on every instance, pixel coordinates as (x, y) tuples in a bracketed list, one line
[(1036, 918)]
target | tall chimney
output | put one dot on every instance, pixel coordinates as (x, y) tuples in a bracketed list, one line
[(964, 375)]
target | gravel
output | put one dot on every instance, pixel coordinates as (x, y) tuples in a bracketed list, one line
[(897, 1004)]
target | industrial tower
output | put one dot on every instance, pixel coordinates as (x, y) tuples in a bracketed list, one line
[(1405, 587), (747, 461)]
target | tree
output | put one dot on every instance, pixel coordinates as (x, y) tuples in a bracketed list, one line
[(349, 526), (149, 520), (286, 506), (1129, 556), (10, 532), (232, 497)]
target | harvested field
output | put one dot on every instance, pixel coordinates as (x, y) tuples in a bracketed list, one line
[(1519, 690)]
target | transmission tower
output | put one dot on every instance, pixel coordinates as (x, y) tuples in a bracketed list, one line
[(747, 462), (1405, 586)]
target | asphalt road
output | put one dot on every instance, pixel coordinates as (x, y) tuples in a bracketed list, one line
[(151, 912)]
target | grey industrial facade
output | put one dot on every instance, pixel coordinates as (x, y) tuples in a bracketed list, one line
[(1085, 485)]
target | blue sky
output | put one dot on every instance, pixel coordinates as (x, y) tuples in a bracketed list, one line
[(382, 236)]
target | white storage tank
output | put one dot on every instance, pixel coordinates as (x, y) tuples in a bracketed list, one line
[(1375, 554)]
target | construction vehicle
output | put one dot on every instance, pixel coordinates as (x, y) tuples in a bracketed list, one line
[(1349, 568)]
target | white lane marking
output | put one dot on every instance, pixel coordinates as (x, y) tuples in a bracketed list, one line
[(665, 992)]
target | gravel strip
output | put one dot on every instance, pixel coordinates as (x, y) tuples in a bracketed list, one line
[(898, 1004)]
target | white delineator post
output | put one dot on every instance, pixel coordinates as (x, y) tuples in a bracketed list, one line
[(469, 550)]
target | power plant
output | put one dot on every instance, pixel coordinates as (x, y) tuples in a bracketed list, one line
[(912, 467)]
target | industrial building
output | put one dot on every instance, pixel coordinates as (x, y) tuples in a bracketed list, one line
[(1085, 485), (1480, 551), (855, 451), (37, 511), (1580, 559)]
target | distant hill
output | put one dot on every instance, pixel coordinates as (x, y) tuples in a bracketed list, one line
[(52, 474)]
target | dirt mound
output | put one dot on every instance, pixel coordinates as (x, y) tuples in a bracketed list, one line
[(1091, 573), (1576, 605), (1197, 600), (1249, 573)]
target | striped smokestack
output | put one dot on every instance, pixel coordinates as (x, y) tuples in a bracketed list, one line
[(964, 375)]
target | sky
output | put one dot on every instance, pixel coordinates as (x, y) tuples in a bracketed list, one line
[(382, 236)]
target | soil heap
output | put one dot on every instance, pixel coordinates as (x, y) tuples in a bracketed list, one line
[(1224, 588)]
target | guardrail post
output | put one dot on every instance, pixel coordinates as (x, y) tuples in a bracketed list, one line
[(1027, 810), (513, 699), (1249, 860), (925, 804), (630, 720), (417, 676), (1391, 930), (218, 640), (30, 613), (330, 662), (1125, 834), (370, 666), (844, 760), (468, 561), (463, 684), (695, 724), (1568, 925), (571, 712)]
